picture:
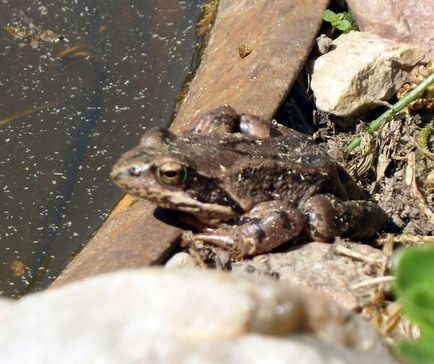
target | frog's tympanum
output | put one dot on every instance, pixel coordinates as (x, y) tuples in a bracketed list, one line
[(253, 184)]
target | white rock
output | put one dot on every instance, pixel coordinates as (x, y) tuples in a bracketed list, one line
[(362, 70), (166, 316), (181, 260)]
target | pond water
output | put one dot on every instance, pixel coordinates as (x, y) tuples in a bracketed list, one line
[(80, 81)]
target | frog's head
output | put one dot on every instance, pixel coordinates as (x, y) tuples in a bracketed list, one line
[(165, 170)]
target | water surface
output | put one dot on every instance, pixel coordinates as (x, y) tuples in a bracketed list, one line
[(69, 109)]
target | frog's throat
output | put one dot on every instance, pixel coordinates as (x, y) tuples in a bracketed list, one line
[(202, 210)]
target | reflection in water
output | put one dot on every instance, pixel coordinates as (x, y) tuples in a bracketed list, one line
[(71, 109), (32, 110)]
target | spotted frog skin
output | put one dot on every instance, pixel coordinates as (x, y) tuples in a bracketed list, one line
[(252, 184)]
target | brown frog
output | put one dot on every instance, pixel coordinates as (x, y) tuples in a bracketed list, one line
[(255, 185)]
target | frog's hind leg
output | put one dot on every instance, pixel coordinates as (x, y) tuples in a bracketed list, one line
[(264, 228), (223, 120), (330, 216), (256, 126)]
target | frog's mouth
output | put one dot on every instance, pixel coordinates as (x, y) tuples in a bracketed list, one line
[(208, 213)]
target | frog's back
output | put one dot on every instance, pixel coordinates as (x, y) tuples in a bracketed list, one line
[(291, 168)]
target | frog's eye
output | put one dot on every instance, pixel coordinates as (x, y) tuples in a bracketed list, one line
[(173, 174)]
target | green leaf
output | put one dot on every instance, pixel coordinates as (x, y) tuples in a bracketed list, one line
[(329, 16), (344, 25), (418, 304), (418, 352), (342, 21), (340, 16), (414, 265), (414, 285)]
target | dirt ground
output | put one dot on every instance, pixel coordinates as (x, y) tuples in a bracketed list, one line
[(395, 167)]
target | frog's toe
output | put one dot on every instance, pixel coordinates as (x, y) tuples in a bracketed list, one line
[(219, 239), (230, 239)]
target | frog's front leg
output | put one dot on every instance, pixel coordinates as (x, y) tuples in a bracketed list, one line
[(329, 216), (265, 227)]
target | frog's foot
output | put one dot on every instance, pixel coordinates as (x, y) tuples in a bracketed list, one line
[(329, 217), (264, 228)]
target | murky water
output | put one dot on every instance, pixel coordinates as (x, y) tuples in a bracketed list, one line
[(69, 109)]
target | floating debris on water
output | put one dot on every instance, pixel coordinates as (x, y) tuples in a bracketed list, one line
[(32, 34), (18, 268), (78, 51), (21, 114)]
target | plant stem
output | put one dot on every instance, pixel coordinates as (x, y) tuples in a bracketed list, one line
[(401, 104)]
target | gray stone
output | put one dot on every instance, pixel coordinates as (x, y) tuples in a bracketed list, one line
[(181, 316), (329, 269), (408, 21), (360, 72)]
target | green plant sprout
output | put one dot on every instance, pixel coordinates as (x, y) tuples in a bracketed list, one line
[(399, 106), (343, 21)]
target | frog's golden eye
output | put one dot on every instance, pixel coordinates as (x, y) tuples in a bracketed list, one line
[(171, 173)]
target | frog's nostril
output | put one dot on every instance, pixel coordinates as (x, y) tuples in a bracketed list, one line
[(135, 171), (114, 174)]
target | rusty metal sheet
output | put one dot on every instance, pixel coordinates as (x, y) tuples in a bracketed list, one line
[(280, 34), (131, 238)]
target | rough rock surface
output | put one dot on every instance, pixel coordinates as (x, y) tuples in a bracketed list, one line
[(402, 20), (163, 316), (361, 70), (329, 269)]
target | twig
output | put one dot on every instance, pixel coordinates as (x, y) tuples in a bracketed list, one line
[(373, 282), (401, 104), (411, 239), (344, 251)]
